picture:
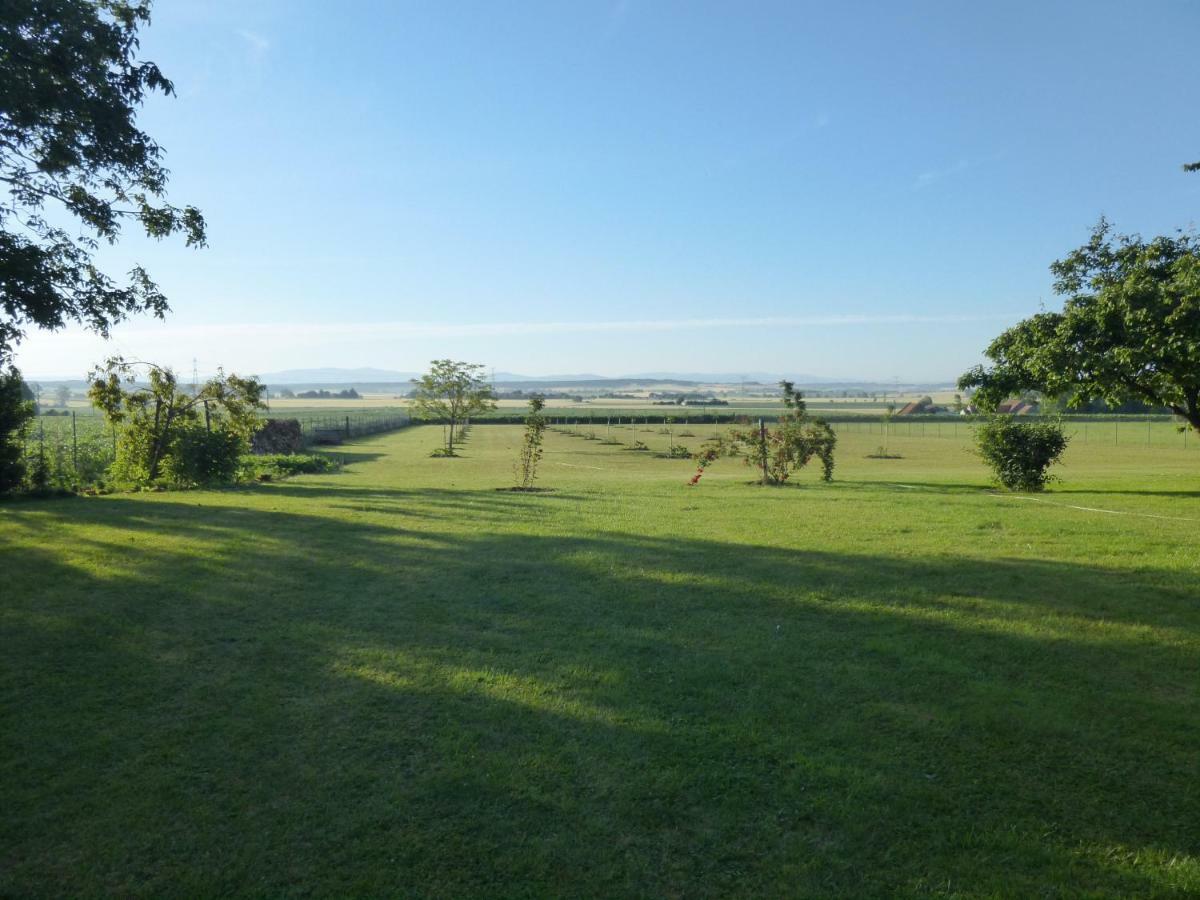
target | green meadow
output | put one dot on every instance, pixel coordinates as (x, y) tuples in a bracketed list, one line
[(401, 680)]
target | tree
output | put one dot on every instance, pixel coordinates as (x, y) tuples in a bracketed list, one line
[(196, 434), (1129, 330), (16, 409), (452, 392), (777, 452), (531, 444), (62, 395), (71, 86)]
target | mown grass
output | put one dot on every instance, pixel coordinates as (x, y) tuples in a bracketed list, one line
[(399, 680)]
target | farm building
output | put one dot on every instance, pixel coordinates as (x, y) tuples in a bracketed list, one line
[(1018, 408), (923, 407)]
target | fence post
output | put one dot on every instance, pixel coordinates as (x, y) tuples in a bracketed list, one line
[(347, 426), (74, 444), (762, 436)]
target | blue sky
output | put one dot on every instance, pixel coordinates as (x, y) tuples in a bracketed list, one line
[(854, 190)]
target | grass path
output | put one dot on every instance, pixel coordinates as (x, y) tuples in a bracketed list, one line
[(399, 680)]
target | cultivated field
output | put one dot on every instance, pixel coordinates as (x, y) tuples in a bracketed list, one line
[(400, 680)]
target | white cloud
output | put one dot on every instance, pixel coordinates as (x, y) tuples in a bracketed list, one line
[(258, 45)]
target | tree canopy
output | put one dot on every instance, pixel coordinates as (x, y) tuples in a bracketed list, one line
[(452, 392), (156, 414), (70, 87), (1129, 329)]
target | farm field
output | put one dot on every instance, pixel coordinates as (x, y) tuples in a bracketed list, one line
[(401, 680)]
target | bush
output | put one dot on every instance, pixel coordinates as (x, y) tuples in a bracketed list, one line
[(677, 451), (200, 456), (1020, 453), (267, 467)]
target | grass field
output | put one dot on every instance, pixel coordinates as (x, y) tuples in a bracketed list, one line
[(399, 680)]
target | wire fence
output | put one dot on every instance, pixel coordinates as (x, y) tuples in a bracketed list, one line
[(75, 450), (1165, 432)]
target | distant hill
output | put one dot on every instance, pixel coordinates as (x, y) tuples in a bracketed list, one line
[(728, 377), (336, 376), (510, 377)]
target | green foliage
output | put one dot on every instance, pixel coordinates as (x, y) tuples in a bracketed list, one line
[(55, 460), (531, 444), (452, 392), (1021, 453), (1129, 330), (199, 456), (69, 141), (158, 422), (15, 413), (272, 466), (776, 452), (676, 451)]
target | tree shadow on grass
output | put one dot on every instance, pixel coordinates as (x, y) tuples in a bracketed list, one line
[(348, 457), (262, 701)]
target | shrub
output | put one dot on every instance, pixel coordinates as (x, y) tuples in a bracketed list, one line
[(266, 467), (1021, 453), (677, 451), (200, 456)]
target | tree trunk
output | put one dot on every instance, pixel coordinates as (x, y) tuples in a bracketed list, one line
[(156, 443), (160, 439)]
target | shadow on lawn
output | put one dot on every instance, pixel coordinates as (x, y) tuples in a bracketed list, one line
[(280, 703)]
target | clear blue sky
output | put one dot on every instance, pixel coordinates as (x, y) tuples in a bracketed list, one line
[(860, 190)]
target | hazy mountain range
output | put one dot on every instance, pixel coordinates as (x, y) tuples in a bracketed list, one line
[(389, 376)]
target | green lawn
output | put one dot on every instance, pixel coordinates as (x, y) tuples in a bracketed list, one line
[(399, 680)]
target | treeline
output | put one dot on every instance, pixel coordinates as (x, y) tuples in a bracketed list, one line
[(347, 394)]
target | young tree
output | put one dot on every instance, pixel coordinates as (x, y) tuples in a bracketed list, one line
[(779, 451), (452, 392), (1129, 330), (531, 444), (69, 144), (201, 434), (16, 409)]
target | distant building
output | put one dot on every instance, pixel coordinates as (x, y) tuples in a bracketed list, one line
[(1017, 408), (923, 407)]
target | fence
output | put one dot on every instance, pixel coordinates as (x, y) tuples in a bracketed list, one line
[(327, 429), (1112, 430), (71, 451)]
